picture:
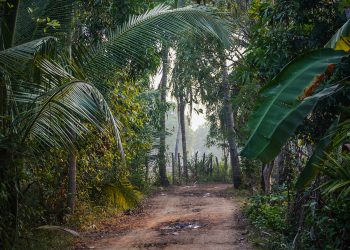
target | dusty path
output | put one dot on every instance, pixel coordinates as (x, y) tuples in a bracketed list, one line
[(190, 217)]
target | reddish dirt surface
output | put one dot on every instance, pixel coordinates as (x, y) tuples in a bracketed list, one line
[(189, 217)]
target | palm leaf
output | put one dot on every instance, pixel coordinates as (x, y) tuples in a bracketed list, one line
[(311, 169), (59, 228), (122, 193), (286, 101), (16, 59), (130, 41), (338, 172), (55, 116)]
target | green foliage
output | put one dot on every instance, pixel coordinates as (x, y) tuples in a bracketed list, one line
[(286, 101), (326, 224), (208, 168), (311, 170), (121, 194), (43, 240), (267, 213), (337, 172), (50, 98)]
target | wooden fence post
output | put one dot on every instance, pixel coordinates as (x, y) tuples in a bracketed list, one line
[(173, 167), (179, 168)]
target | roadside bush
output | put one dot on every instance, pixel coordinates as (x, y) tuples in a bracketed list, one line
[(267, 214)]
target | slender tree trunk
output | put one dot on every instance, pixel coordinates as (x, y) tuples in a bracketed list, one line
[(72, 155), (147, 169), (203, 164), (9, 172), (196, 165), (183, 137), (163, 86), (179, 168), (217, 166), (72, 180), (229, 120), (266, 176), (211, 165), (279, 164), (8, 24), (173, 168), (182, 105), (177, 136)]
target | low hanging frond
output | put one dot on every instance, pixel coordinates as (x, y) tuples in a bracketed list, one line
[(129, 42), (17, 58), (122, 193), (59, 115), (56, 116)]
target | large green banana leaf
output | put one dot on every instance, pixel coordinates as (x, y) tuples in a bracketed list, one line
[(286, 101), (341, 39)]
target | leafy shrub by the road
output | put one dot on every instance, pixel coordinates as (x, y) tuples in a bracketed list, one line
[(267, 214)]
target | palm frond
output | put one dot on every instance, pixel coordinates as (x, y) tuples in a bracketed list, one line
[(17, 58), (129, 42), (56, 116), (337, 170), (122, 193)]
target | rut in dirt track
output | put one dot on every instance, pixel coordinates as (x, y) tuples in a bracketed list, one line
[(190, 217)]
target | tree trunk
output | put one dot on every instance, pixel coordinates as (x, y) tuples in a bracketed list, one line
[(183, 137), (179, 168), (72, 180), (173, 168), (177, 137), (203, 164), (279, 164), (146, 170), (230, 132), (182, 105), (163, 86), (217, 166), (266, 177), (8, 24), (196, 165)]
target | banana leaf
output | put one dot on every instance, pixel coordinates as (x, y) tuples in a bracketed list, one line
[(287, 100), (341, 39)]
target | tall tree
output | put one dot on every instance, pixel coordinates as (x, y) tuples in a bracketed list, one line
[(229, 124), (163, 91), (182, 107), (182, 120)]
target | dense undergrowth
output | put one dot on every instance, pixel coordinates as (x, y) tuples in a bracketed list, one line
[(275, 221)]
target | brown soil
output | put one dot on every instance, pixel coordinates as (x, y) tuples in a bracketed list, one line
[(189, 217)]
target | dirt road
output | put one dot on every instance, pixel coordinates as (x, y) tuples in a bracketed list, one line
[(190, 217)]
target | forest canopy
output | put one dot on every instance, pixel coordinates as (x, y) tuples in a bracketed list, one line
[(97, 100)]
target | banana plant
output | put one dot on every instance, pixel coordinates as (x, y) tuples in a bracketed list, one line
[(292, 95)]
